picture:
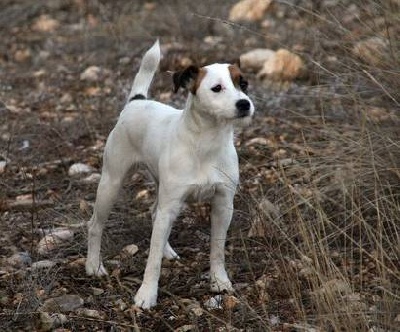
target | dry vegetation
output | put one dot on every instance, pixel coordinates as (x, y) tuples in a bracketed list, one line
[(315, 241)]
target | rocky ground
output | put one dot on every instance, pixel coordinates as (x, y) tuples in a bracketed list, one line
[(314, 242)]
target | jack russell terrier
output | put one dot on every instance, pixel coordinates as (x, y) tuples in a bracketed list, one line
[(190, 155)]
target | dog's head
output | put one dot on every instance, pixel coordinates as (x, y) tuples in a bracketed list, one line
[(218, 90)]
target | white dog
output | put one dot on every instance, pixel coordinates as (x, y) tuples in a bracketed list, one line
[(189, 153)]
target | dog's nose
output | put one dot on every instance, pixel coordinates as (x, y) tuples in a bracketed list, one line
[(243, 108)]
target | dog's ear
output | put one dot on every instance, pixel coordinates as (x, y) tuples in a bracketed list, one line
[(183, 78)]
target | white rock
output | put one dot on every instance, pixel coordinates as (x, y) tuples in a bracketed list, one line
[(91, 74), (214, 302), (249, 10), (282, 66), (43, 264), (255, 59), (3, 165), (79, 169), (130, 249), (53, 241), (92, 178)]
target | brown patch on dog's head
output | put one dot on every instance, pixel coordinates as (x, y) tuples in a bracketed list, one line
[(237, 78), (189, 78)]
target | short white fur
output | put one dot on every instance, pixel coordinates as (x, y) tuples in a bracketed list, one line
[(189, 154)]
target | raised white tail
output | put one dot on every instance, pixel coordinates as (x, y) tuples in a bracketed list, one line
[(144, 77)]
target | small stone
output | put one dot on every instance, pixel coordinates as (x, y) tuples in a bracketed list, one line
[(373, 51), (22, 55), (214, 302), (130, 249), (230, 302), (91, 313), (283, 66), (91, 74), (54, 240), (50, 321), (20, 259), (121, 305), (92, 178), (97, 291), (249, 10), (43, 264), (78, 169), (3, 165), (64, 303), (45, 24), (255, 59), (186, 328)]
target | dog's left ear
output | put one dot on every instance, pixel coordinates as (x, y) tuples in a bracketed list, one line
[(183, 78)]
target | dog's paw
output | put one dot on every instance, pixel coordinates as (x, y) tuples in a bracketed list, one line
[(170, 253), (146, 297), (220, 284), (97, 270)]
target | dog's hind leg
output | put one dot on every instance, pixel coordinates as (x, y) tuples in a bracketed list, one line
[(116, 162)]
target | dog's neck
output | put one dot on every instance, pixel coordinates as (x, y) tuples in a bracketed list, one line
[(204, 127)]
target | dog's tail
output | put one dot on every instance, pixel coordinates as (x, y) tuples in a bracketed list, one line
[(147, 69)]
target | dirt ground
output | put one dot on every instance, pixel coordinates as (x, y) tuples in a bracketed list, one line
[(314, 241)]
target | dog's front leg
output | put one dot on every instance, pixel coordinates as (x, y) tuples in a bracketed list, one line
[(221, 215), (146, 297)]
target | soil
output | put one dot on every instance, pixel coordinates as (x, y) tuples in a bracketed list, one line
[(51, 118)]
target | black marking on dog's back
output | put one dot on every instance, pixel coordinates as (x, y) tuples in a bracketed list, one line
[(139, 96)]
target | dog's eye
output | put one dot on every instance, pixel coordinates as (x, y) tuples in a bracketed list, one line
[(217, 88), (243, 84)]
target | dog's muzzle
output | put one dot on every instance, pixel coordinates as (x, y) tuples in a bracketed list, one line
[(243, 108)]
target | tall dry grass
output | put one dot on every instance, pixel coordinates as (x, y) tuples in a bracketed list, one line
[(340, 201)]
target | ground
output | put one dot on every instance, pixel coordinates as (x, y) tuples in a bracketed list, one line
[(314, 242)]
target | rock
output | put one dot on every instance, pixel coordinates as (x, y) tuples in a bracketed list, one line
[(255, 59), (193, 306), (20, 259), (91, 74), (43, 264), (214, 302), (92, 178), (91, 313), (64, 303), (22, 55), (249, 10), (45, 24), (79, 169), (3, 165), (97, 291), (130, 249), (53, 241), (50, 321), (230, 302), (186, 328), (373, 51), (121, 305), (283, 66)]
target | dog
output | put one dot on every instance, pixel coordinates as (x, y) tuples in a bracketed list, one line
[(189, 153)]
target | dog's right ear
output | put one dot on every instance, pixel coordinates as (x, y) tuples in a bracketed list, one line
[(185, 78)]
